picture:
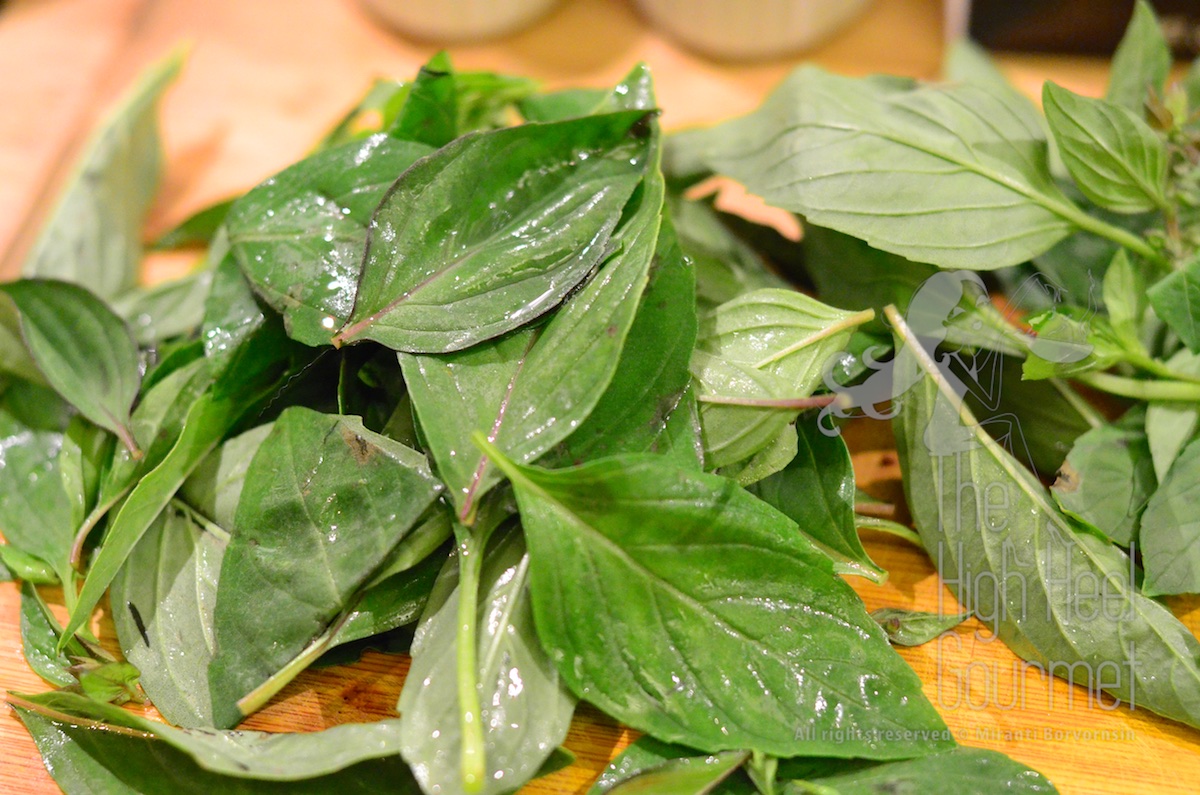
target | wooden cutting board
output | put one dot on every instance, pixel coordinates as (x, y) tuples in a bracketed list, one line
[(267, 77)]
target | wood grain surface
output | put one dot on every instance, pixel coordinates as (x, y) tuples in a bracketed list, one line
[(266, 77)]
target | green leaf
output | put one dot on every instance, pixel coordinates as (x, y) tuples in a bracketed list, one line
[(726, 267), (39, 640), (696, 775), (170, 309), (162, 603), (430, 111), (252, 374), (1176, 301), (1170, 527), (15, 358), (1108, 478), (82, 348), (1124, 291), (299, 236), (758, 358), (1141, 63), (652, 373), (675, 566), (1065, 600), (1115, 158), (912, 627), (1171, 424), (535, 227), (215, 487), (198, 229), (322, 491), (531, 389), (569, 103), (94, 237), (35, 510), (19, 565), (952, 175), (231, 314), (766, 462), (526, 710), (390, 602), (960, 771), (111, 683), (241, 761), (644, 753), (816, 491)]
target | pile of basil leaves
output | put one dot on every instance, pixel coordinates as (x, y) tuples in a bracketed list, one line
[(475, 381)]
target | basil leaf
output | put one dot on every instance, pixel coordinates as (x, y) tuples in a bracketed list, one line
[(393, 601), (347, 498), (674, 566), (816, 491), (215, 487), (39, 640), (1176, 301), (1067, 601), (960, 771), (1171, 424), (755, 356), (568, 103), (912, 627), (652, 373), (531, 389), (82, 348), (1169, 529), (953, 175), (726, 267), (1141, 62), (198, 229), (429, 113), (35, 510), (299, 236), (162, 605), (170, 309), (1108, 478), (231, 314), (1115, 158), (686, 776), (644, 753), (526, 710), (94, 236), (234, 761), (1125, 299), (15, 358), (538, 224)]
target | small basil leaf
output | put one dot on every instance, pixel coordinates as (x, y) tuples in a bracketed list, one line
[(1176, 301), (1169, 529), (1141, 63), (39, 640), (430, 111), (912, 627), (198, 229), (675, 565), (816, 491), (1108, 477), (83, 349), (1116, 159)]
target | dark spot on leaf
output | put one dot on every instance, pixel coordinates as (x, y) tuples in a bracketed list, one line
[(137, 620), (1067, 480), (641, 128), (362, 450), (611, 331)]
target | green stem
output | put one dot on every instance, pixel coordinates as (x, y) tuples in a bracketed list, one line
[(1140, 389), (1116, 234), (257, 698), (470, 566), (887, 526), (1158, 368)]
